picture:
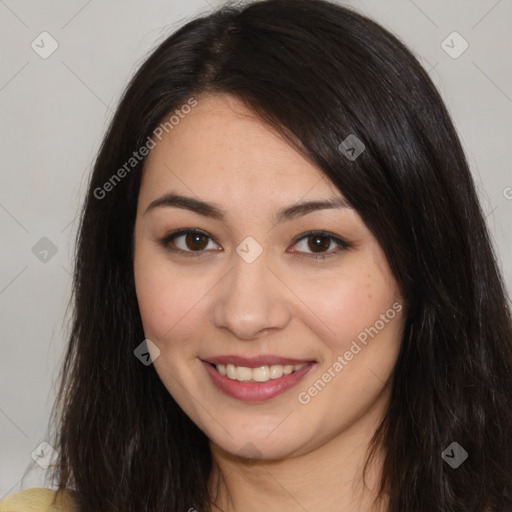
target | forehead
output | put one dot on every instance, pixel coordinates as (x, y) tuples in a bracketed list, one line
[(221, 147)]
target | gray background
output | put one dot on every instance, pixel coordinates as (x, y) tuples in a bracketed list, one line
[(54, 112)]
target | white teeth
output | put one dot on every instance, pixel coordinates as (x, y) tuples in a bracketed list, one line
[(231, 371), (243, 373), (288, 369), (276, 371), (260, 374)]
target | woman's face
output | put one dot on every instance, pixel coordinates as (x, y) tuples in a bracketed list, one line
[(252, 283)]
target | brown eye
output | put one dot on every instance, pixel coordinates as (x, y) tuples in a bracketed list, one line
[(319, 243), (196, 241), (187, 242)]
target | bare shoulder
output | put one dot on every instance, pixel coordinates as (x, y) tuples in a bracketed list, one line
[(38, 499)]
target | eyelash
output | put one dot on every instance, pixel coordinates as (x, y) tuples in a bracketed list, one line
[(342, 244)]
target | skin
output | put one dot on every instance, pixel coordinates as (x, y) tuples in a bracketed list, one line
[(290, 455)]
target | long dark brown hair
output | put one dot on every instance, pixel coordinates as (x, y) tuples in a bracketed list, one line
[(316, 72)]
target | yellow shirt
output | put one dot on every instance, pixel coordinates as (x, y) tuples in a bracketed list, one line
[(37, 499)]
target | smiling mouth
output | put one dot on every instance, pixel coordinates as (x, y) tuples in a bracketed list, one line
[(263, 373), (261, 380)]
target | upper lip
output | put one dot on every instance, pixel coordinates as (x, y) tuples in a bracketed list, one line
[(256, 361)]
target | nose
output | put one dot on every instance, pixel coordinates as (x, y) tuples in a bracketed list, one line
[(251, 300)]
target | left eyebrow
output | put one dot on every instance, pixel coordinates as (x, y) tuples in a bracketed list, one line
[(213, 210), (300, 209)]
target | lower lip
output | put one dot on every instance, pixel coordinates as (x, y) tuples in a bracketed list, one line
[(256, 391)]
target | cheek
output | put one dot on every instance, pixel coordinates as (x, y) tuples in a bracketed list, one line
[(166, 301), (344, 306)]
